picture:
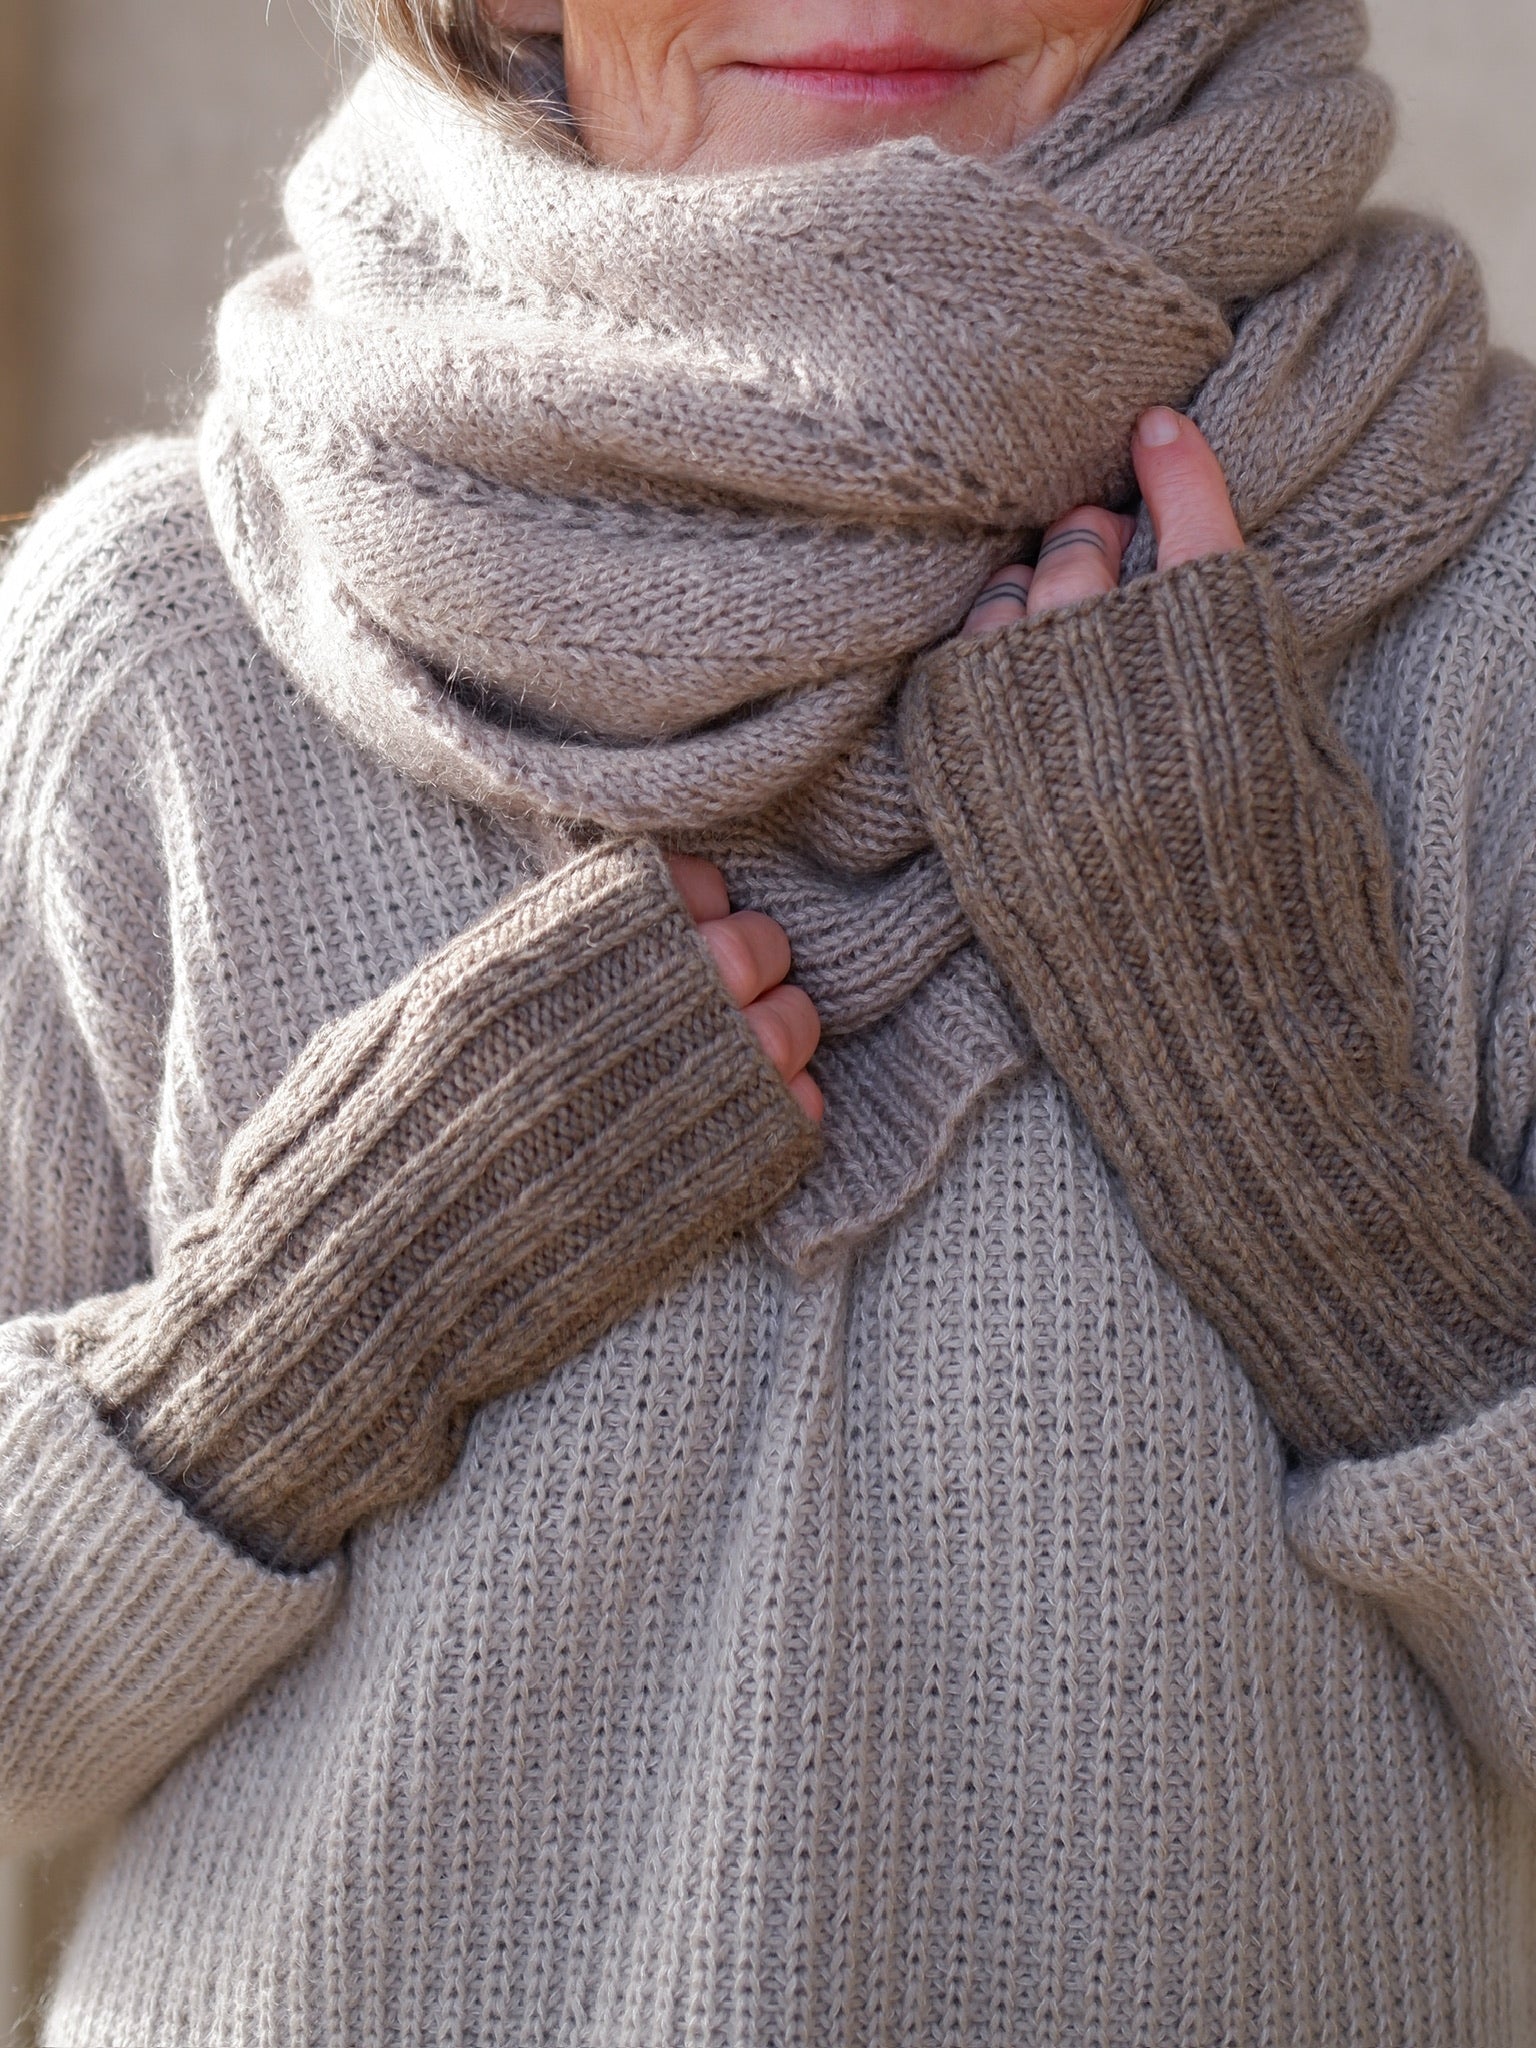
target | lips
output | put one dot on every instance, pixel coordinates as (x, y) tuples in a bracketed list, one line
[(878, 60), (903, 70)]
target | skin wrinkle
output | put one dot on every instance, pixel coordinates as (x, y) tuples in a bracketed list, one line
[(666, 85)]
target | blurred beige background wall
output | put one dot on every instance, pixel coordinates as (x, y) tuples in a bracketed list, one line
[(139, 141), (1465, 73)]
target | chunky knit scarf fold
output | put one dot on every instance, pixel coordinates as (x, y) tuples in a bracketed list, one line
[(624, 503)]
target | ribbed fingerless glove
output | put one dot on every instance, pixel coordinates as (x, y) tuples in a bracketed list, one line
[(455, 1189), (1161, 840)]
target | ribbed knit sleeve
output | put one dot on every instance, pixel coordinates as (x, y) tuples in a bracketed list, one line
[(1443, 1538), (425, 1199), (128, 1628), (455, 1189), (1441, 712), (1164, 845)]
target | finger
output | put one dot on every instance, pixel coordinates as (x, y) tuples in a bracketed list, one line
[(1079, 558), (1003, 602), (787, 1028), (809, 1097), (1185, 489), (701, 886), (751, 954)]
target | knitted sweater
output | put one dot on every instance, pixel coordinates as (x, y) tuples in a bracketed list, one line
[(939, 1648)]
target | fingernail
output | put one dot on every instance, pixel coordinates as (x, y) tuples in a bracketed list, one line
[(1158, 428)]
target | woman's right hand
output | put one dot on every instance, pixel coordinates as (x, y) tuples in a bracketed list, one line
[(751, 953)]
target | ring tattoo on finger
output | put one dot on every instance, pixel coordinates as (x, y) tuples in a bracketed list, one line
[(1073, 536)]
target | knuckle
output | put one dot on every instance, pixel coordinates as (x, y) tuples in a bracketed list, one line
[(809, 1097), (733, 959), (766, 947), (995, 609), (1196, 487), (1069, 579), (1197, 526), (701, 885), (1195, 493), (803, 1019), (772, 1036), (1088, 526), (1079, 557), (1009, 585)]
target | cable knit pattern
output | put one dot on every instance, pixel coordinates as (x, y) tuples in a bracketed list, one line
[(930, 1650)]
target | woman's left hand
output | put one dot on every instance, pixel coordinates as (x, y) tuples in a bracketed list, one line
[(1176, 866), (1191, 507)]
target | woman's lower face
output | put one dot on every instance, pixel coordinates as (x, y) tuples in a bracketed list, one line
[(724, 84)]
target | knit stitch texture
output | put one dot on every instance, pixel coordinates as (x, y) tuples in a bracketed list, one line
[(1156, 830), (621, 501), (903, 1623), (933, 1650), (457, 1187)]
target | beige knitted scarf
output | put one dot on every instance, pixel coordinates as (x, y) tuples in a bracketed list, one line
[(625, 502)]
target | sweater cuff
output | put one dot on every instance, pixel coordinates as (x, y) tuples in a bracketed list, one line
[(1442, 1538), (131, 1629), (456, 1188)]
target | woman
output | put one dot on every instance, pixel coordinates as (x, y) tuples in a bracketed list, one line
[(541, 1542)]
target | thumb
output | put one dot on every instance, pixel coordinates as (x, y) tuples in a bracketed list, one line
[(1185, 490)]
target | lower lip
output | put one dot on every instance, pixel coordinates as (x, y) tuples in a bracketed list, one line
[(877, 88)]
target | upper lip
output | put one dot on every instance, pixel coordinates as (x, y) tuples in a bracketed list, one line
[(906, 53)]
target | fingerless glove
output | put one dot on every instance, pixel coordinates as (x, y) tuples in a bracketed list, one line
[(456, 1188), (1160, 838)]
